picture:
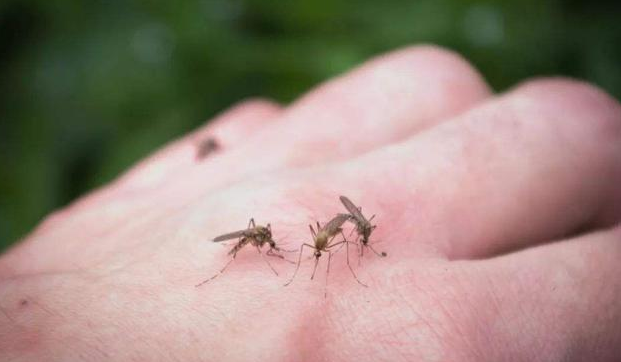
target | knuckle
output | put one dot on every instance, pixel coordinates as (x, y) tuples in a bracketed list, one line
[(576, 108), (444, 65)]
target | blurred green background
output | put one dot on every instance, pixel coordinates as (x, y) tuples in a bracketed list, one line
[(89, 87)]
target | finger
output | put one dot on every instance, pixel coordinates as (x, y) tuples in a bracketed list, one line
[(538, 163), (383, 101), (562, 297)]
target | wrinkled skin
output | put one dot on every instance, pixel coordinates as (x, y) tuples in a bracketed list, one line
[(497, 212)]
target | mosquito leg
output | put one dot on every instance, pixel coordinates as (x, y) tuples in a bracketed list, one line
[(358, 248), (218, 274), (251, 223), (271, 253), (359, 251), (315, 268), (335, 244), (240, 244), (332, 238), (281, 250), (340, 247), (287, 250), (325, 291), (267, 261), (344, 239), (352, 269), (382, 254), (347, 252), (299, 261)]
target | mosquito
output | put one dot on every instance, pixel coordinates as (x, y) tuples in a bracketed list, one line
[(255, 235), (363, 226), (206, 147), (323, 242)]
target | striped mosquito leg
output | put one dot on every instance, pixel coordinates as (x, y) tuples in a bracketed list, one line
[(218, 274), (299, 261), (265, 260), (325, 290), (352, 269)]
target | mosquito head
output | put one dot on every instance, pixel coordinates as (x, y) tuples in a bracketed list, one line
[(317, 254), (366, 233)]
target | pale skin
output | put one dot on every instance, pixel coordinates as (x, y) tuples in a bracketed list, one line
[(497, 213)]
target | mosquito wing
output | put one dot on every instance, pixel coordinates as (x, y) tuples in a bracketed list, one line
[(333, 225), (353, 210), (233, 235)]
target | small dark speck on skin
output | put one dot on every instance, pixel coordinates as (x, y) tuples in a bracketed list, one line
[(23, 302), (207, 147)]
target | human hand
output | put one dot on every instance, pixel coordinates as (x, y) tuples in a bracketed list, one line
[(497, 214)]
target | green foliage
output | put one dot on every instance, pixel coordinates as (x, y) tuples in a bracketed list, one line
[(88, 88)]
